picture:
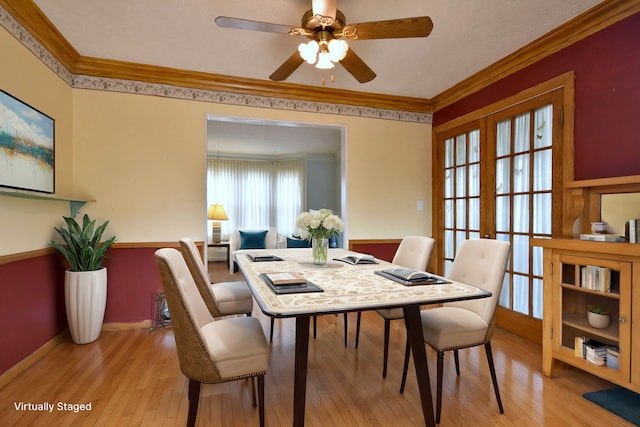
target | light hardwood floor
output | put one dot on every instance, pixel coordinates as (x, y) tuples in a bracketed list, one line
[(132, 378)]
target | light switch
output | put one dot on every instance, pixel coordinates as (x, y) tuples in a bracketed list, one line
[(420, 205)]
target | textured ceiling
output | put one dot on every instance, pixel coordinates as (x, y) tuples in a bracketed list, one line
[(468, 36)]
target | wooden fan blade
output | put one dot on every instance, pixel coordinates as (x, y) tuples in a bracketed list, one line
[(356, 66), (392, 29), (246, 24), (287, 68)]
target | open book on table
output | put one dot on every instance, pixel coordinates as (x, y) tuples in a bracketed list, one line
[(409, 276), (357, 259)]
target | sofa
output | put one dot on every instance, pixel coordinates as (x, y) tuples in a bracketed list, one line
[(245, 240)]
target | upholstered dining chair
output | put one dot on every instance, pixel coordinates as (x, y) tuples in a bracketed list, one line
[(413, 252), (210, 351), (223, 298), (456, 325)]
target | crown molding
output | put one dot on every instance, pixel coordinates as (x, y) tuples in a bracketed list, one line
[(584, 25), (29, 25)]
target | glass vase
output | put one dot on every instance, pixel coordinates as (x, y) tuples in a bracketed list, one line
[(319, 248)]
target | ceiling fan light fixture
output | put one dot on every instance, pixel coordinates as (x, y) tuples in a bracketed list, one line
[(309, 51), (324, 61), (337, 50)]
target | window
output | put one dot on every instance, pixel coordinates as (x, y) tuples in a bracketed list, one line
[(257, 194)]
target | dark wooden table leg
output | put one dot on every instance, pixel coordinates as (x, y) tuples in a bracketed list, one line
[(300, 372), (414, 333)]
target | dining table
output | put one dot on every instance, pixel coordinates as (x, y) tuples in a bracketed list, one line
[(339, 287)]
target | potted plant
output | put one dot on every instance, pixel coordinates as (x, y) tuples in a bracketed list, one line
[(85, 285), (598, 316)]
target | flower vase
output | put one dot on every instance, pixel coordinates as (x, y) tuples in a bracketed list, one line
[(319, 248)]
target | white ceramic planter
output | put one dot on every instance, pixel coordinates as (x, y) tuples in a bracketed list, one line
[(85, 295), (599, 321)]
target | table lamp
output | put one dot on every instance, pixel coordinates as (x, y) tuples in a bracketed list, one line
[(216, 213)]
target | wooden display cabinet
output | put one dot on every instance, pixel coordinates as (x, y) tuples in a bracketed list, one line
[(567, 292)]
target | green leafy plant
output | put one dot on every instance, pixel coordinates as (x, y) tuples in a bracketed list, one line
[(83, 250), (598, 309)]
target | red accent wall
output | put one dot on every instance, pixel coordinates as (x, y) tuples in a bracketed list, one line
[(132, 280), (607, 103), (32, 307)]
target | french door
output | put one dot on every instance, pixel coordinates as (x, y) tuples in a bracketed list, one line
[(501, 178)]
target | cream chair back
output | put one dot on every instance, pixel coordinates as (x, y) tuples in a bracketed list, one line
[(188, 315), (481, 263), (200, 275), (414, 252)]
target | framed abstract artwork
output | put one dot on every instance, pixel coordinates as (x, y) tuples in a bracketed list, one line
[(27, 149)]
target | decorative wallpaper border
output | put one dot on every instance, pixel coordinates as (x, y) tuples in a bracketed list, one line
[(169, 91)]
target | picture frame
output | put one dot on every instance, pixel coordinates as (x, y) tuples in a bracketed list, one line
[(27, 146)]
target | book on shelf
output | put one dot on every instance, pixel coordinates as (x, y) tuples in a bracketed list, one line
[(632, 230), (595, 278), (602, 237), (579, 347), (613, 354), (594, 351), (409, 276), (357, 259)]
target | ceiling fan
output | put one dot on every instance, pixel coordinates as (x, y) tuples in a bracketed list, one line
[(327, 28)]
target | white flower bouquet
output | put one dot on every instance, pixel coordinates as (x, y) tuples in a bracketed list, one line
[(319, 224)]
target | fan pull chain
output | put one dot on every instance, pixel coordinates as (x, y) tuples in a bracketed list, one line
[(332, 79)]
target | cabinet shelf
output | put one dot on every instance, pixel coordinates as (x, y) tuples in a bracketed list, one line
[(579, 321), (612, 295), (74, 203)]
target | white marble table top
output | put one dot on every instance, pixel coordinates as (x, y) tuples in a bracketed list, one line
[(346, 287)]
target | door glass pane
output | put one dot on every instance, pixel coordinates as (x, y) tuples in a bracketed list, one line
[(542, 170), (521, 173), (537, 261), (537, 302), (474, 214), (449, 244), (448, 153), (461, 181), (520, 218), (474, 146), (503, 214), (461, 214), (474, 180), (503, 174), (520, 254), (505, 294), (543, 118), (520, 294), (448, 213), (448, 183), (521, 134), (503, 135), (461, 149), (542, 214)]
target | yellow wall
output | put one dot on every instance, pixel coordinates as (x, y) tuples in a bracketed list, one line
[(28, 224), (142, 159)]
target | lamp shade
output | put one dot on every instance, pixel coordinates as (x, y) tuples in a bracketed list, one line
[(216, 212)]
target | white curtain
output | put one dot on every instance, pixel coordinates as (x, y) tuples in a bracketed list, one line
[(257, 194)]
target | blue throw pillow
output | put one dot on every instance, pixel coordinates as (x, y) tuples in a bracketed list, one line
[(297, 243), (253, 239)]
